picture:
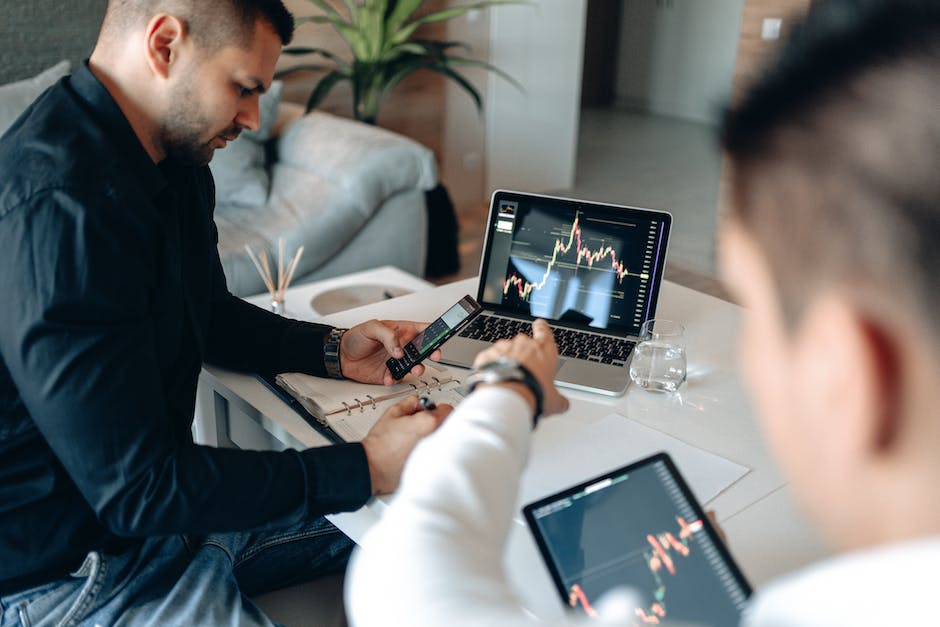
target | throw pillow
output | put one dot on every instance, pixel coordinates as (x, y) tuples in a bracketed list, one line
[(239, 169), (16, 97)]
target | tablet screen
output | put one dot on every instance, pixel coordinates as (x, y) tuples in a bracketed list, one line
[(640, 528)]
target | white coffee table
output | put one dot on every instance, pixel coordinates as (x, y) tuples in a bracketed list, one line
[(224, 419), (350, 290)]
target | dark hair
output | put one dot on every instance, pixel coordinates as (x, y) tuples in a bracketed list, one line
[(835, 155), (212, 23)]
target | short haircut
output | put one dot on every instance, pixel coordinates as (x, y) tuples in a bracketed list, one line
[(213, 24), (835, 157)]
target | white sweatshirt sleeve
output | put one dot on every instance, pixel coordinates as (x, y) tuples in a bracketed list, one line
[(436, 556)]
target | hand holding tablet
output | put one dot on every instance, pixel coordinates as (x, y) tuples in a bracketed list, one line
[(639, 527)]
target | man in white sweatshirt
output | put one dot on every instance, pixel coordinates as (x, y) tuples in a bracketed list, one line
[(833, 249)]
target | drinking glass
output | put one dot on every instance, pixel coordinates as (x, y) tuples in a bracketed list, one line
[(658, 362)]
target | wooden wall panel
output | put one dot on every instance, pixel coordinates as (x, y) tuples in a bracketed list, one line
[(754, 53)]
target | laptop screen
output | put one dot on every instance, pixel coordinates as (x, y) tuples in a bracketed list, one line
[(639, 529), (584, 264)]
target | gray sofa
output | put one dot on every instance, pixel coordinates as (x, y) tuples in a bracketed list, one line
[(351, 194)]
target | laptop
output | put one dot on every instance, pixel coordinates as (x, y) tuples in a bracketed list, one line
[(591, 270), (638, 531)]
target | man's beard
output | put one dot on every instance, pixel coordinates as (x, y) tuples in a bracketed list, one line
[(185, 126)]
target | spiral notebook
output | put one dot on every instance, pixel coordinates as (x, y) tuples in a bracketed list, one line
[(350, 409)]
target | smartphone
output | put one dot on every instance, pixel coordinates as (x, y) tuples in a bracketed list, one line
[(434, 336)]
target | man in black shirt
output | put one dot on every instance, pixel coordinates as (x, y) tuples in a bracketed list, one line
[(113, 297)]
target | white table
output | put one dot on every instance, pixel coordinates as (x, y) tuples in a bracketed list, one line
[(226, 420), (765, 532)]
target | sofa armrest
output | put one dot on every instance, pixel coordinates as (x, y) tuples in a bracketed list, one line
[(370, 163)]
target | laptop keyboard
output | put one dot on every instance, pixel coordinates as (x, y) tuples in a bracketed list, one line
[(571, 343)]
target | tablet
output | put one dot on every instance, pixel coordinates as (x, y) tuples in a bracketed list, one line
[(639, 528)]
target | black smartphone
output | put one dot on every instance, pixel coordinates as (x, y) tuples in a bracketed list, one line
[(433, 336)]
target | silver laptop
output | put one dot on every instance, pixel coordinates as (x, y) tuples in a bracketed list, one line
[(593, 271)]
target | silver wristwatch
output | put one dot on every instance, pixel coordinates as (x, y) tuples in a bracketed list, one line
[(331, 354), (505, 369)]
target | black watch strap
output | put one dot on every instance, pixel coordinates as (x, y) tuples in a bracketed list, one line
[(536, 388), (505, 370)]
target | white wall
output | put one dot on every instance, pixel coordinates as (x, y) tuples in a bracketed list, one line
[(531, 137), (677, 56)]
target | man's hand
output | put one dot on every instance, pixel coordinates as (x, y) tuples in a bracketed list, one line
[(366, 347), (537, 353), (389, 443)]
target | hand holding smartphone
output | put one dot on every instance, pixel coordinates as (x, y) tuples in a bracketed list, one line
[(438, 332)]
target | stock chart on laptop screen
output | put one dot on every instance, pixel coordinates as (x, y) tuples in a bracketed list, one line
[(584, 264)]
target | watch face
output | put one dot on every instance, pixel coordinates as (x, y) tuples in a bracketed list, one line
[(503, 369)]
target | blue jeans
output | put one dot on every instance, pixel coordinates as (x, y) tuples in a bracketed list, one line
[(183, 580)]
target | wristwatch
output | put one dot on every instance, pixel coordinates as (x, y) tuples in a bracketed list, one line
[(331, 353), (503, 370)]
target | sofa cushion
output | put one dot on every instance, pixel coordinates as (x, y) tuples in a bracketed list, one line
[(241, 178), (16, 97), (370, 164)]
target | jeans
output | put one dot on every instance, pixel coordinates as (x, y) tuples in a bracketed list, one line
[(182, 580)]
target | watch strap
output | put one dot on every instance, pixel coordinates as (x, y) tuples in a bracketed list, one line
[(508, 370), (331, 353), (533, 384)]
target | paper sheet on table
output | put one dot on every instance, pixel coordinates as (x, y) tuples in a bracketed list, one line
[(566, 452)]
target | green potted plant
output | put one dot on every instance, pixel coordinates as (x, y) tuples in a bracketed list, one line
[(381, 38)]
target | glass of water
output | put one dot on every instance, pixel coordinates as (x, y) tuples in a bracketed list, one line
[(658, 362)]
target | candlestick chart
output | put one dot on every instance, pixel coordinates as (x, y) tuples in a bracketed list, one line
[(571, 251), (661, 552), (637, 535)]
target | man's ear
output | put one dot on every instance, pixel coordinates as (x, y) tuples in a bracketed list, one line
[(165, 34), (886, 380), (850, 368)]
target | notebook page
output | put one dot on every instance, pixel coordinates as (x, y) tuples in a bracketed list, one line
[(354, 427), (351, 408)]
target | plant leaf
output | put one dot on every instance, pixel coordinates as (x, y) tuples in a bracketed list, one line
[(371, 28), (402, 49), (309, 67), (448, 14), (326, 54), (346, 30), (437, 48), (353, 36), (323, 88), (402, 69), (462, 81), (403, 10), (312, 19), (461, 62), (406, 32), (327, 8), (353, 10)]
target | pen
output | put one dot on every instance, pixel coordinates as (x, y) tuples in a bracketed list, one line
[(427, 403)]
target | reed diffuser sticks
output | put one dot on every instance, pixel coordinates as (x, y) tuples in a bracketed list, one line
[(276, 285)]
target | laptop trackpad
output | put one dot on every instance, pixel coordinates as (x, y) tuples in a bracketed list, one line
[(461, 351), (592, 376)]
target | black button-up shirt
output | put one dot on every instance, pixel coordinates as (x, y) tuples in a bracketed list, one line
[(111, 297)]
